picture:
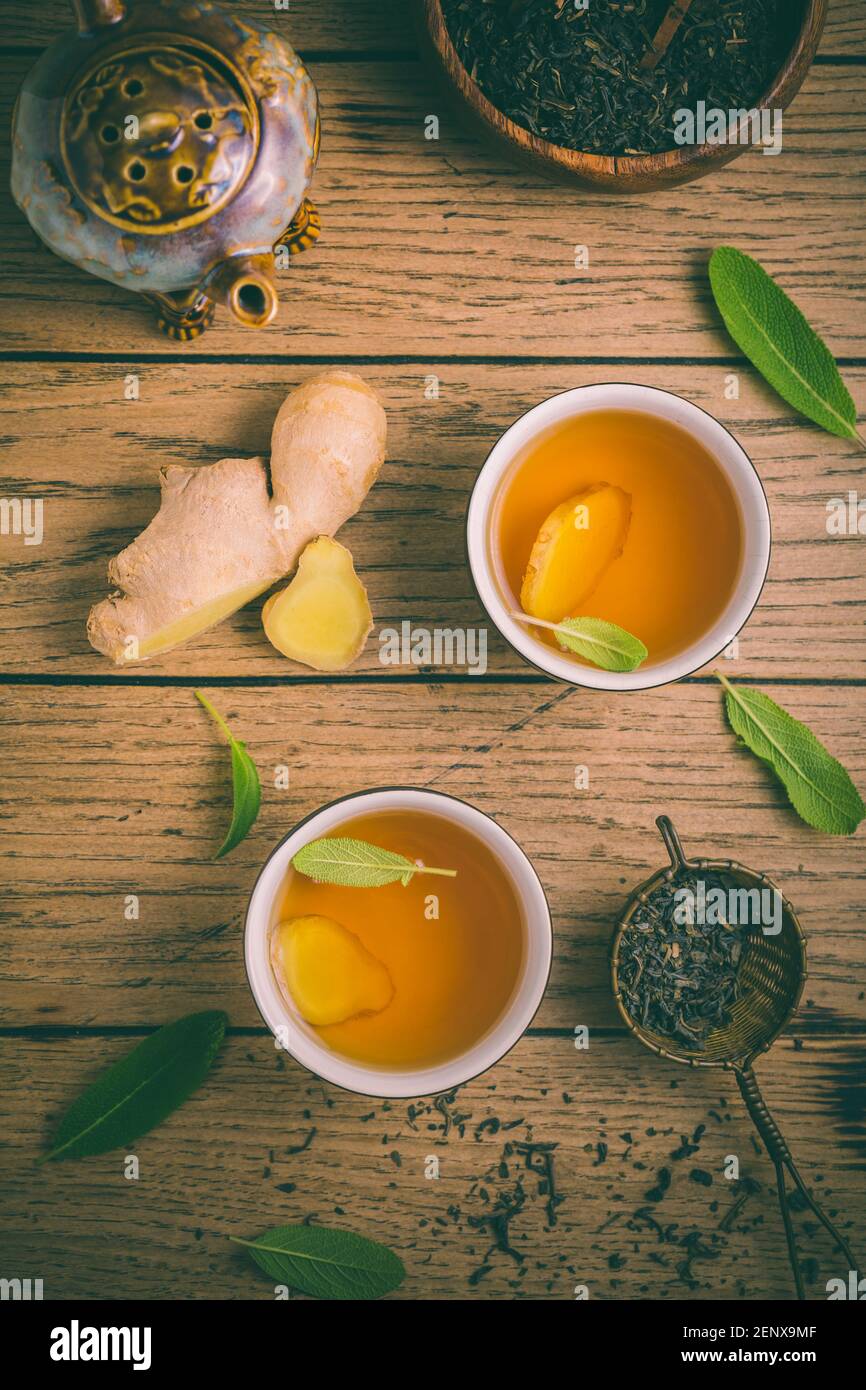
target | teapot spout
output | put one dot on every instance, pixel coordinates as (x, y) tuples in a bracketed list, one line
[(97, 14), (245, 284)]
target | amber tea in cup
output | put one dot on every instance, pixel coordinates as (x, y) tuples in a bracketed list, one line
[(412, 986), (668, 545), (430, 966)]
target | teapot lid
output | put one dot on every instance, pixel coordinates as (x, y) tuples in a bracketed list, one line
[(158, 135)]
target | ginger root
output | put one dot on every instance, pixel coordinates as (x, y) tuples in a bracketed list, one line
[(220, 539), (576, 544), (323, 618)]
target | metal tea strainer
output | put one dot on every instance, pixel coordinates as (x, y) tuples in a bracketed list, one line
[(771, 976)]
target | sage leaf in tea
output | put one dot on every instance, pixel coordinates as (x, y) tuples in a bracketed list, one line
[(356, 864), (326, 1263), (818, 787), (603, 643), (778, 339), (246, 788), (137, 1093)]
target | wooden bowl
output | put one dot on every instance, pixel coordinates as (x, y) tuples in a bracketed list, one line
[(617, 173)]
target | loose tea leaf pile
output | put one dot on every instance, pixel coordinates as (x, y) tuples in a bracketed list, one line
[(573, 76), (680, 979)]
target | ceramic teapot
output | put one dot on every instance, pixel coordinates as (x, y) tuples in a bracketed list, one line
[(167, 146)]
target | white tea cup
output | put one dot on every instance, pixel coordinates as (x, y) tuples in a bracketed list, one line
[(302, 1041), (494, 591)]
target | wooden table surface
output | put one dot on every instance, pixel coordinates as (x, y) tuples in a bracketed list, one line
[(437, 259)]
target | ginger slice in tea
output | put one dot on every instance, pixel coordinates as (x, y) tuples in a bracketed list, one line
[(575, 546), (329, 972)]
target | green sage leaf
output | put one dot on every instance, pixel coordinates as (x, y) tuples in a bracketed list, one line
[(326, 1263), (778, 340), (356, 864), (603, 643), (246, 788), (818, 786), (137, 1093)]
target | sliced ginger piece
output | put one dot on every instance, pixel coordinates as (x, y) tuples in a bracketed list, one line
[(329, 972), (322, 618), (577, 543)]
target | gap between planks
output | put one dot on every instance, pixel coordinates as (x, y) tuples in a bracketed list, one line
[(310, 56), (63, 681), (48, 1032), (354, 359)]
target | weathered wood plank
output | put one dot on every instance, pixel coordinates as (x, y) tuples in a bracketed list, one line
[(72, 439), (339, 26), (846, 30), (369, 25), (110, 792), (222, 1166), (441, 247)]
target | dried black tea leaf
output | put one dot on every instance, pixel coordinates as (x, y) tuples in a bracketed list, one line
[(679, 969), (575, 76)]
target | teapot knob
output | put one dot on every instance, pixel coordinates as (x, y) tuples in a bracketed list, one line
[(97, 14)]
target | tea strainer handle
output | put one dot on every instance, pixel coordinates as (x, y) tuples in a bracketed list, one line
[(673, 843), (783, 1162), (766, 1126)]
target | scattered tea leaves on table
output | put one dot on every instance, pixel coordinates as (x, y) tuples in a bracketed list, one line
[(778, 340), (138, 1092), (326, 1263), (356, 864), (818, 787), (247, 791), (602, 643)]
